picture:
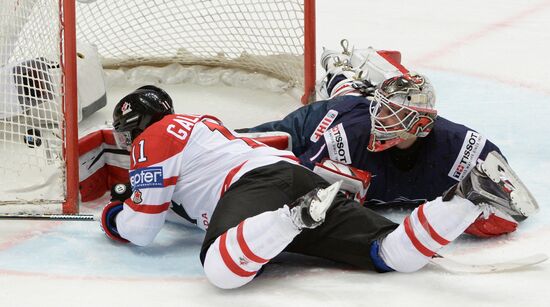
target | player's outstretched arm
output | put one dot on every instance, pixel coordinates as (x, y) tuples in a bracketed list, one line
[(108, 221)]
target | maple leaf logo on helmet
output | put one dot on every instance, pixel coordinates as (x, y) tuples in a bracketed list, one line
[(126, 108)]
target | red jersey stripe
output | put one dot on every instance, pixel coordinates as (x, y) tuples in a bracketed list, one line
[(148, 209), (431, 231), (419, 246), (293, 158), (244, 247), (170, 181), (229, 263), (229, 177)]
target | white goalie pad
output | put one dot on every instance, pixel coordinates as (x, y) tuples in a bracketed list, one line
[(376, 65), (92, 95), (31, 87)]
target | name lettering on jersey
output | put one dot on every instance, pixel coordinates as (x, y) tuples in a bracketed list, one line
[(337, 144), (323, 125), (148, 177), (205, 222), (468, 155), (185, 124)]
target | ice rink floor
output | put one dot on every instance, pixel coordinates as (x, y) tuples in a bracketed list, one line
[(489, 64)]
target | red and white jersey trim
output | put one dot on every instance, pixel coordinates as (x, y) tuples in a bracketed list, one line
[(189, 160)]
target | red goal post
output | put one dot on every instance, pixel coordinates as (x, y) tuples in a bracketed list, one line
[(38, 105)]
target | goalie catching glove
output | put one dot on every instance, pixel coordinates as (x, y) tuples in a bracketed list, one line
[(108, 221), (355, 182)]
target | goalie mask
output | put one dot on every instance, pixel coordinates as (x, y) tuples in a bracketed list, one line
[(137, 111), (403, 107)]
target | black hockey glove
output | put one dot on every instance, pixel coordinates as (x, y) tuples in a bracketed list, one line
[(121, 192)]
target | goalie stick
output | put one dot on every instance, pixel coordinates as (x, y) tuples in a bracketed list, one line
[(454, 266), (63, 217)]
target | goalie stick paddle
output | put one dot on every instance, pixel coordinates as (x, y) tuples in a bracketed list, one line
[(454, 266), (63, 217)]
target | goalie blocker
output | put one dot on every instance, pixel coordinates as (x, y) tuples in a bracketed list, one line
[(355, 182)]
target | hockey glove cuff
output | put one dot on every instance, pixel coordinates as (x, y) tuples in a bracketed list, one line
[(108, 221)]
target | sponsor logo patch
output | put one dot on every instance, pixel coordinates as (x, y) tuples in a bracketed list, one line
[(468, 155), (323, 125), (148, 177), (337, 144)]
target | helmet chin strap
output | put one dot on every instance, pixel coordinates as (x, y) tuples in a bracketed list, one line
[(402, 140)]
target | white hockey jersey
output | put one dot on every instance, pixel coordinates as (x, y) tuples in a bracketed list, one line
[(191, 160)]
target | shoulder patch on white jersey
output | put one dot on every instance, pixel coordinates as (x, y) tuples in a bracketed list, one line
[(337, 144), (323, 125), (468, 155)]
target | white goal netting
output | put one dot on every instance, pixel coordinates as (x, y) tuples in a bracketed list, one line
[(31, 158), (257, 35), (265, 36)]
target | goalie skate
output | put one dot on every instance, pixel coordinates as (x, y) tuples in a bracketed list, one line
[(309, 211), (493, 182)]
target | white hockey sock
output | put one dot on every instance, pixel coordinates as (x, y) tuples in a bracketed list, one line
[(236, 256), (429, 227)]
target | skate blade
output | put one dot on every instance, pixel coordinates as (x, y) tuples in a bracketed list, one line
[(319, 208), (496, 168)]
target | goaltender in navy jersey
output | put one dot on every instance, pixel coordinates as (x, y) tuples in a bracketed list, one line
[(339, 129), (191, 161)]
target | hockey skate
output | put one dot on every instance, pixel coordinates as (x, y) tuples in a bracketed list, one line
[(309, 211), (494, 183)]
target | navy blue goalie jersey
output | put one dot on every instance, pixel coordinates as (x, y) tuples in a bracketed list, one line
[(339, 129)]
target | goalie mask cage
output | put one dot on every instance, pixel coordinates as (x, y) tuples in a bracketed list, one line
[(38, 111)]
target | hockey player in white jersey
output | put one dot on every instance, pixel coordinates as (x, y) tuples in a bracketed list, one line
[(254, 201)]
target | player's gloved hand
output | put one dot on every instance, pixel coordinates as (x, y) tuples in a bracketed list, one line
[(121, 191), (355, 182), (491, 223), (108, 221)]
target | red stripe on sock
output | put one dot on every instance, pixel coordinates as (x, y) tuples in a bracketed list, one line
[(244, 247), (431, 231), (419, 246), (231, 265)]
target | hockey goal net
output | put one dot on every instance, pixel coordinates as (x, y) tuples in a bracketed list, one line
[(38, 129)]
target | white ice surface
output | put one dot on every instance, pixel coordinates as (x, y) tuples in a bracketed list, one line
[(489, 63)]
